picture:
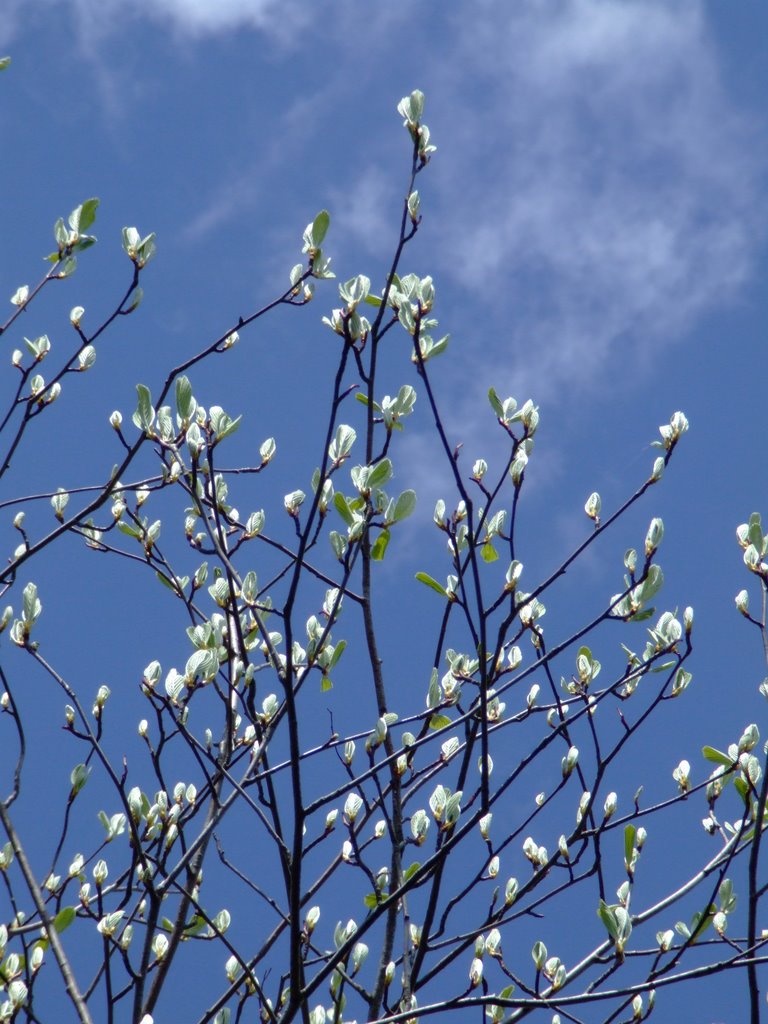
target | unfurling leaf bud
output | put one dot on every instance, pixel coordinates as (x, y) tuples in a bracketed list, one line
[(592, 507)]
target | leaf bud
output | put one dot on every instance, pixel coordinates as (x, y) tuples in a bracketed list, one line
[(681, 775), (476, 972), (592, 507), (742, 602), (653, 537), (102, 696), (510, 892), (570, 761), (21, 295)]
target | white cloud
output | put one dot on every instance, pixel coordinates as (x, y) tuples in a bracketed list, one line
[(613, 182), (281, 18), (368, 208), (240, 192), (204, 16)]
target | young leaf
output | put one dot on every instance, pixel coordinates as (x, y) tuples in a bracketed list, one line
[(488, 553), (379, 473), (380, 546), (81, 218), (717, 756), (405, 505), (439, 722), (629, 843), (64, 919), (144, 416), (424, 577), (185, 405), (342, 507)]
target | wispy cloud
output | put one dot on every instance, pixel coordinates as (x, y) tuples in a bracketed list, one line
[(280, 18), (365, 208), (613, 181), (240, 192)]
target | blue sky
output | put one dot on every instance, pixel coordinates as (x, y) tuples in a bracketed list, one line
[(594, 220)]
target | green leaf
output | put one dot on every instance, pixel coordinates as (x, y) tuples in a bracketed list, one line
[(424, 577), (4, 62), (651, 585), (700, 922), (726, 896), (373, 300), (410, 871), (342, 443), (629, 843), (380, 473), (439, 722), (195, 926), (78, 778), (643, 615), (144, 416), (405, 505), (316, 231), (221, 424), (68, 267), (326, 684), (81, 218), (341, 506), (742, 788), (185, 406), (605, 915), (177, 589), (495, 401), (130, 531), (380, 546), (371, 900), (338, 650), (320, 227), (31, 604), (488, 552), (717, 756), (64, 919)]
